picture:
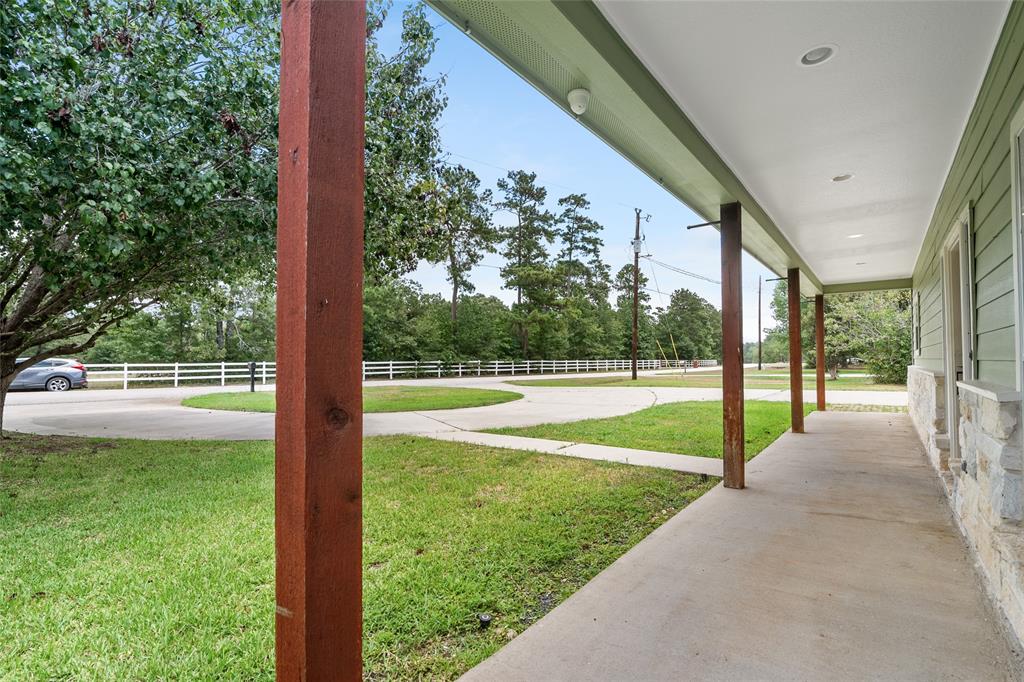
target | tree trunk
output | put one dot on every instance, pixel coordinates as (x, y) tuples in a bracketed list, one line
[(3, 400), (833, 371), (6, 377), (220, 334), (455, 303), (455, 287)]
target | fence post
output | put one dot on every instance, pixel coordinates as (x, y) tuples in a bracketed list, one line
[(263, 371), (126, 375), (175, 375), (223, 376), (391, 369)]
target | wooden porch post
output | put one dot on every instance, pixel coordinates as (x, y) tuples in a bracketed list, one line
[(819, 348), (318, 497), (732, 345), (796, 360)]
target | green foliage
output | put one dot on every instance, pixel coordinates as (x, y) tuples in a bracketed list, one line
[(229, 322), (690, 327), (527, 269), (873, 326), (465, 229), (137, 160), (403, 108)]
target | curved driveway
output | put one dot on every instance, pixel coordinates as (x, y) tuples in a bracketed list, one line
[(157, 413)]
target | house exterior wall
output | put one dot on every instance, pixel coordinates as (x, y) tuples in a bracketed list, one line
[(984, 479), (980, 176)]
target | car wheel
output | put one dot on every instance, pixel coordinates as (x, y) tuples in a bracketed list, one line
[(58, 384)]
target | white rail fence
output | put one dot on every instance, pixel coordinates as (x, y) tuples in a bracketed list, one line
[(263, 372)]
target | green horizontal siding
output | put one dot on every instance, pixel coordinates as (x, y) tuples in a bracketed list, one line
[(980, 176)]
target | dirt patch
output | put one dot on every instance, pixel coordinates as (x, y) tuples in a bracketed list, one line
[(32, 445)]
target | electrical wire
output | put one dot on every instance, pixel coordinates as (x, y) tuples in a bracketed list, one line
[(680, 270), (508, 170)]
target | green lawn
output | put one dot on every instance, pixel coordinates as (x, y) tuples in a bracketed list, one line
[(688, 428), (154, 560), (375, 399), (768, 379)]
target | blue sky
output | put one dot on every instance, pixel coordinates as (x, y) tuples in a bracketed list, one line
[(496, 121)]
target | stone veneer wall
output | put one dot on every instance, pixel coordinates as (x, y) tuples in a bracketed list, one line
[(986, 485), (926, 402), (988, 491)]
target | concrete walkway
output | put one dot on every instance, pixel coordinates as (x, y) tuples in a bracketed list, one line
[(156, 413), (690, 464), (839, 562)]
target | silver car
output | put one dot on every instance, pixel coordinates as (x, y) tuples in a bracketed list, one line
[(55, 374)]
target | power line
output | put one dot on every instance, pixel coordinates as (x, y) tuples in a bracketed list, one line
[(680, 270), (509, 170)]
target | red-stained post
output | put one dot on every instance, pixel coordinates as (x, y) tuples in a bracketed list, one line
[(796, 358), (318, 497), (819, 348), (732, 345)]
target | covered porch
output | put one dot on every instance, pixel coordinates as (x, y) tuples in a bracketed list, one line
[(839, 561), (833, 554)]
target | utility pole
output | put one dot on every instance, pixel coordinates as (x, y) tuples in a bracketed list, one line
[(759, 322), (759, 330), (636, 290)]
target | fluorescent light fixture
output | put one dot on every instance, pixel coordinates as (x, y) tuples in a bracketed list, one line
[(854, 236)]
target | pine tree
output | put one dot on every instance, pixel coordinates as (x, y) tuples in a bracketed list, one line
[(526, 255), (466, 229)]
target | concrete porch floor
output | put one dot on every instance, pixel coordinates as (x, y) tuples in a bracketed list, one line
[(839, 561)]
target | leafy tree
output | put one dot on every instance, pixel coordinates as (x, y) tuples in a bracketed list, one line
[(465, 228), (485, 330), (403, 108), (623, 286), (389, 313), (137, 160), (230, 322), (526, 255), (691, 325), (874, 326)]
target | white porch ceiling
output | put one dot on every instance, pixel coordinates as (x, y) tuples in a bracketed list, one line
[(889, 107)]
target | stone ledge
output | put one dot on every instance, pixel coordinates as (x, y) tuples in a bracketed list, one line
[(990, 391), (937, 374)]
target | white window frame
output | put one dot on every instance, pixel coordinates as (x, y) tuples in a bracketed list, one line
[(1016, 160), (959, 236)]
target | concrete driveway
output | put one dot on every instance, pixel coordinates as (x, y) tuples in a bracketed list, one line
[(156, 413)]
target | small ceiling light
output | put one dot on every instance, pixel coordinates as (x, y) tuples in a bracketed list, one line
[(854, 236), (842, 178), (578, 100), (818, 55)]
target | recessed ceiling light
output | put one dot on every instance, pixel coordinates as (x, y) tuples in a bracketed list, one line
[(842, 178), (854, 236), (818, 55)]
